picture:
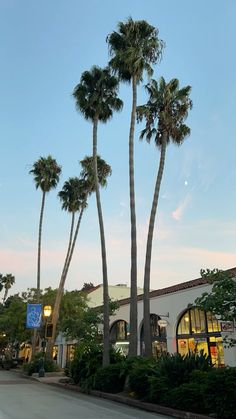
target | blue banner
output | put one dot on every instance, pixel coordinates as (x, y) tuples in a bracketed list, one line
[(34, 316)]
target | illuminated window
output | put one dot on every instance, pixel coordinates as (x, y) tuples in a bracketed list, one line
[(199, 331)]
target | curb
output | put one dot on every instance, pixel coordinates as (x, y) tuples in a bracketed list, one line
[(132, 402)]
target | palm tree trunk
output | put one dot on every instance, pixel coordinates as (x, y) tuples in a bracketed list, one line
[(146, 285), (133, 279), (39, 245), (106, 337), (5, 294), (38, 266), (56, 309)]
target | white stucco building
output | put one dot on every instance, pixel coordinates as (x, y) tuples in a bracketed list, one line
[(176, 325), (184, 328)]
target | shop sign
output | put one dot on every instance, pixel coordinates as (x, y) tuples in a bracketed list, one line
[(162, 323), (227, 326)]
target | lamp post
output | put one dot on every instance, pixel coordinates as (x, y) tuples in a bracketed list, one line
[(47, 312)]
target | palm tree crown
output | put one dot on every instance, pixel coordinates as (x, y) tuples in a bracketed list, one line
[(167, 107), (87, 173), (134, 48), (46, 173), (7, 280), (72, 194), (96, 94)]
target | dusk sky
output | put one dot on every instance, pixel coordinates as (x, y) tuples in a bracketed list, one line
[(45, 46)]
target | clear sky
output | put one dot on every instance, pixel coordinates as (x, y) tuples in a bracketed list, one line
[(44, 47)]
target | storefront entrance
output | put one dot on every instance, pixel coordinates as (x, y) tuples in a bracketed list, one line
[(200, 331), (158, 334)]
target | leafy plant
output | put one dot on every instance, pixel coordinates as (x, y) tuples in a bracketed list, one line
[(110, 379)]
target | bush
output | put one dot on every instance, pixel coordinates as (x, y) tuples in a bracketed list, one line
[(158, 389), (220, 394), (188, 397), (110, 379), (87, 361), (34, 366), (140, 370), (177, 369)]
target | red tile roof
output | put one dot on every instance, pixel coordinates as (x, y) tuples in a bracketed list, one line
[(174, 288)]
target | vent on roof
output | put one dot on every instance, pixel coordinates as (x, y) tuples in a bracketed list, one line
[(121, 285)]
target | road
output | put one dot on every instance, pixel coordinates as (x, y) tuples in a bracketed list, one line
[(21, 398)]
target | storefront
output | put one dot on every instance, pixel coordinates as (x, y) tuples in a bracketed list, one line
[(199, 331), (158, 335), (119, 336)]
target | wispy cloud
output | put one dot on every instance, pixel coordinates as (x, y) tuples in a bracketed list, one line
[(178, 213)]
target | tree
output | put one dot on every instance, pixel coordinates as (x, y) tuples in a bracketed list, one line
[(134, 48), (221, 300), (96, 98), (165, 113), (12, 322), (46, 173), (88, 286), (73, 197), (7, 281), (83, 188), (1, 284)]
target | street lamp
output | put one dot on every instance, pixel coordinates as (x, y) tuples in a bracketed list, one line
[(47, 311)]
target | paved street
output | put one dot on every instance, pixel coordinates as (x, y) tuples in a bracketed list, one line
[(21, 398)]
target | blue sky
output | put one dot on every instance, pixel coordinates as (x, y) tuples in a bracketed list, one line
[(44, 47)]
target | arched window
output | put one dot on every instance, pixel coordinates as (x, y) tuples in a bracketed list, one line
[(158, 334), (198, 330), (119, 336)]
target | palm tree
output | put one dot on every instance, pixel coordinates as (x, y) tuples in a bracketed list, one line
[(96, 98), (85, 187), (1, 285), (73, 197), (134, 48), (46, 173), (165, 113), (7, 281)]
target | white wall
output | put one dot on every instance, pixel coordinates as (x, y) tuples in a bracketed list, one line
[(170, 307)]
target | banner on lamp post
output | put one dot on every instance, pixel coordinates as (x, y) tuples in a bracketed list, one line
[(34, 316)]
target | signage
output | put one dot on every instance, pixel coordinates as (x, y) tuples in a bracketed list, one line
[(162, 323), (227, 326), (34, 316)]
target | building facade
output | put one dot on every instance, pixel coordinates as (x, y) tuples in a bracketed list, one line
[(176, 325)]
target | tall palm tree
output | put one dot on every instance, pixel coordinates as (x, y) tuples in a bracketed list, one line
[(84, 188), (73, 197), (134, 48), (46, 173), (164, 113), (1, 284), (7, 281), (96, 98)]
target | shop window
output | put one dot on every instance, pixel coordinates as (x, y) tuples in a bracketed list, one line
[(70, 353), (197, 332), (119, 336), (158, 335)]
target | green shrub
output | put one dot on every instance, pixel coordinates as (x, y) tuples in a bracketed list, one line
[(110, 379), (87, 361), (220, 394), (158, 389), (177, 369), (188, 397), (34, 366), (140, 370)]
